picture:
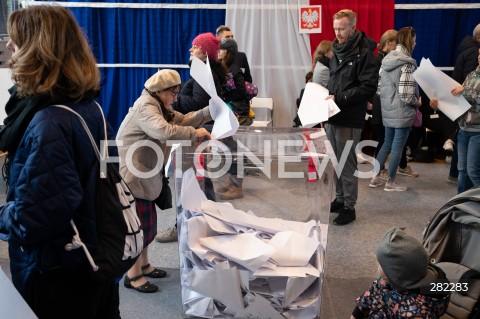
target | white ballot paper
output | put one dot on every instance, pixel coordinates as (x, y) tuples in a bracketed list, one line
[(438, 85), (226, 123), (244, 249), (314, 108), (222, 284), (286, 254), (229, 253), (258, 308)]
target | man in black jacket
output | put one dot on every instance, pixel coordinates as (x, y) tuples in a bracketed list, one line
[(467, 56), (240, 58), (353, 81)]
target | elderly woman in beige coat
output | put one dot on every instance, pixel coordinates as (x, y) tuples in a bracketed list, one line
[(149, 124)]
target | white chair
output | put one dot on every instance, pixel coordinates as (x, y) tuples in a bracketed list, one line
[(263, 109)]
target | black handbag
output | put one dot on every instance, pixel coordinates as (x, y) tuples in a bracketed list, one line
[(164, 200)]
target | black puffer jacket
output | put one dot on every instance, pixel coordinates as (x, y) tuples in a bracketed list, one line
[(353, 83), (467, 59)]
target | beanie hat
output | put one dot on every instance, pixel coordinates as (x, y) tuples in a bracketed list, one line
[(208, 43), (230, 45), (162, 80), (404, 261)]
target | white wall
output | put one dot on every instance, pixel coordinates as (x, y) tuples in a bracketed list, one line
[(5, 84)]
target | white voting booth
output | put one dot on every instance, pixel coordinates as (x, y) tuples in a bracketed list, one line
[(260, 256)]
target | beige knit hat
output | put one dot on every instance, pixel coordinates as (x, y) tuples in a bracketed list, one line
[(162, 80)]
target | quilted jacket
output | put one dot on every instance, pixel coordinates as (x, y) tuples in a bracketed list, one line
[(52, 179)]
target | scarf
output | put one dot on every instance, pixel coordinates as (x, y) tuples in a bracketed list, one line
[(324, 60), (344, 50), (20, 111)]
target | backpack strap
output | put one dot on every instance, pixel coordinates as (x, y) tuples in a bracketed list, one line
[(76, 240), (100, 157)]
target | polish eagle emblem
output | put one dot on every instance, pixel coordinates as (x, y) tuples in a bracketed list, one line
[(310, 19)]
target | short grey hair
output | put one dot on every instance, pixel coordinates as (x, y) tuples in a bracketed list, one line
[(476, 31)]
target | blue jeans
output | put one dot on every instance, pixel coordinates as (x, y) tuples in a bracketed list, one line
[(468, 160), (395, 139)]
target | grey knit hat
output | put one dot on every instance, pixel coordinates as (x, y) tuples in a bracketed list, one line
[(230, 45), (404, 261)]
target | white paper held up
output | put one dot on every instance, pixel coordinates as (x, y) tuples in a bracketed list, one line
[(438, 85), (202, 73), (314, 109), (226, 124)]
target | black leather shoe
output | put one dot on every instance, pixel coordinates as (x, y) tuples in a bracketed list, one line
[(335, 206), (345, 216), (147, 287), (155, 273)]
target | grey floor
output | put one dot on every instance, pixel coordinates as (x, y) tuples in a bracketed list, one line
[(350, 261)]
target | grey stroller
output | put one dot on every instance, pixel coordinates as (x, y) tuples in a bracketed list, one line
[(452, 240)]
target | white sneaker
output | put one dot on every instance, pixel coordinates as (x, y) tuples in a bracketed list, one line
[(375, 182), (394, 187), (384, 174), (407, 171), (448, 146), (168, 236)]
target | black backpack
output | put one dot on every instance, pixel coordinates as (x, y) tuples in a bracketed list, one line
[(119, 235)]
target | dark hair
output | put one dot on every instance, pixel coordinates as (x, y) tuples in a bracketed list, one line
[(228, 60), (221, 29), (308, 76)]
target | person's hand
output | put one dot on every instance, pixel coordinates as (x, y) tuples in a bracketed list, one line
[(330, 97), (457, 90), (369, 106), (202, 132), (419, 103), (434, 103)]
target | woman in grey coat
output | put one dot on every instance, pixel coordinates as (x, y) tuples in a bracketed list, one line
[(400, 98), (321, 69), (141, 140)]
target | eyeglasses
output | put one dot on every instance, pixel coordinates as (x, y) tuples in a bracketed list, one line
[(175, 93)]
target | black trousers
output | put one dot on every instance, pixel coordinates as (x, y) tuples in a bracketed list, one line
[(71, 294)]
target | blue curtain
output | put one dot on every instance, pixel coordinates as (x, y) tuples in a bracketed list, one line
[(439, 31), (163, 36), (141, 36)]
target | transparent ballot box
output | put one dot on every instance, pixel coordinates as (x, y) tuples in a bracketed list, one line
[(252, 216)]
